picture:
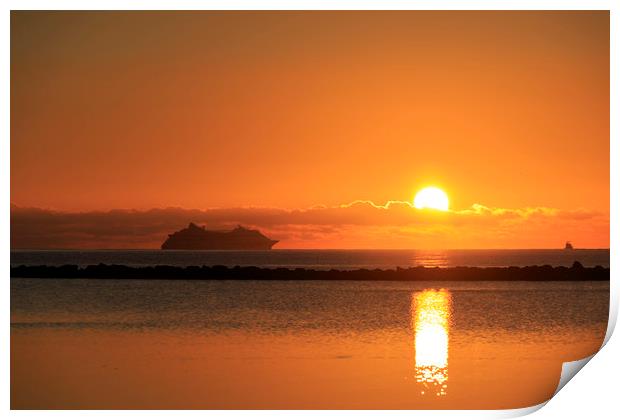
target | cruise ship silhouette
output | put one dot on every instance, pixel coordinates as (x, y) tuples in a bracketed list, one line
[(199, 238)]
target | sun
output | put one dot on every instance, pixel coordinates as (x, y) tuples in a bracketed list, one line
[(431, 198)]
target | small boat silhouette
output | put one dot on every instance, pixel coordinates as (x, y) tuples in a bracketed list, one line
[(568, 246)]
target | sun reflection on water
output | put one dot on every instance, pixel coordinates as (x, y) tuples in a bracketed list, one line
[(430, 317), (431, 259)]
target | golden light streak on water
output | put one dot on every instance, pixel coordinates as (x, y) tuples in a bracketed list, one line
[(431, 321)]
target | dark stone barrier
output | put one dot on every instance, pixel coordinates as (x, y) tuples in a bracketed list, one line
[(576, 272)]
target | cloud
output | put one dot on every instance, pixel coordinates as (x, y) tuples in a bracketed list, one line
[(360, 224)]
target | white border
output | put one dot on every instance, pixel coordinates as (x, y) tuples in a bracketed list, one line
[(592, 394), (312, 5)]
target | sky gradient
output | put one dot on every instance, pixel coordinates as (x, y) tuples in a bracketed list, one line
[(282, 112)]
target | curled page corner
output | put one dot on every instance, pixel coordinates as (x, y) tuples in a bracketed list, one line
[(613, 314), (570, 369), (519, 412)]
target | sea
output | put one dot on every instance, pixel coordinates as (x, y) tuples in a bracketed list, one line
[(217, 344), (317, 259)]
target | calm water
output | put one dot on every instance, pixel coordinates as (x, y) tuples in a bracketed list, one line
[(321, 259), (303, 344)]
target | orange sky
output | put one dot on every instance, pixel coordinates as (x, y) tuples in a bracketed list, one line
[(201, 110)]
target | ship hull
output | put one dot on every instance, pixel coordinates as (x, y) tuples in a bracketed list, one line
[(218, 247)]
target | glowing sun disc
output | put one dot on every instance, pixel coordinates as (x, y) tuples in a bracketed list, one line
[(431, 198)]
